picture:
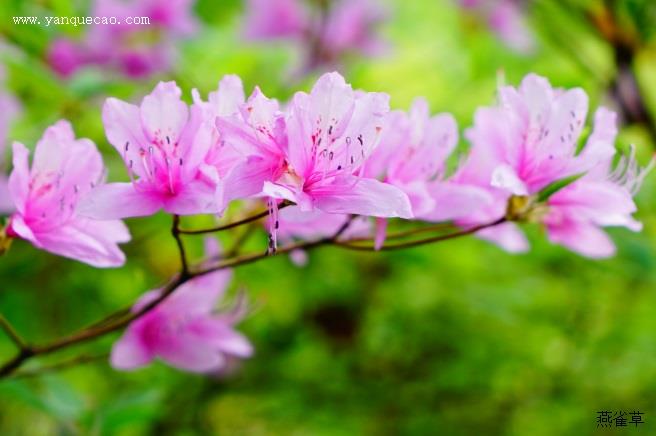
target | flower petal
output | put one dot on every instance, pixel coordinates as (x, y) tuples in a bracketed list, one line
[(129, 353), (584, 238), (367, 197), (118, 200)]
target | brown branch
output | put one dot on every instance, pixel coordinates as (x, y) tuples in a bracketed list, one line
[(234, 224), (104, 327), (411, 244), (175, 231)]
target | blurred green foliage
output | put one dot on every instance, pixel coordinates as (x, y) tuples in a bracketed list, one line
[(459, 338)]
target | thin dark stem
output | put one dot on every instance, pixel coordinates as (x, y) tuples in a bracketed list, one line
[(411, 244), (106, 326), (175, 231), (232, 225), (406, 233), (12, 333)]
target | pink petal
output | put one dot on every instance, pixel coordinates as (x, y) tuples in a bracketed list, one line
[(200, 295), (247, 178), (18, 226), (454, 201), (603, 203), (163, 113), (118, 200), (6, 205), (19, 179), (229, 96), (507, 236), (129, 353), (197, 197), (218, 334), (189, 354), (367, 197), (91, 242), (505, 177), (123, 129), (585, 239)]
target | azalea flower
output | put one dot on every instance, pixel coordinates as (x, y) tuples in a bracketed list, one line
[(326, 32), (9, 108), (313, 153), (164, 144), (412, 156), (231, 164), (136, 50), (183, 330), (528, 143), (46, 198)]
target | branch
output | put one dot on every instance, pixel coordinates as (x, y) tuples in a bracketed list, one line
[(106, 326), (234, 224), (175, 231), (411, 244), (12, 333)]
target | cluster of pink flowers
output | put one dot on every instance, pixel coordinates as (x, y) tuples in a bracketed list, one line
[(325, 31), (332, 153), (133, 49)]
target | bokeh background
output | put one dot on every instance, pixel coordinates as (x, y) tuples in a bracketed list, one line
[(459, 338)]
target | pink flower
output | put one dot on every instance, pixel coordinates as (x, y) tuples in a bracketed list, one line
[(46, 198), (164, 145), (229, 162), (268, 19), (506, 19), (602, 197), (312, 155), (183, 330), (9, 109), (528, 143), (412, 156), (135, 49)]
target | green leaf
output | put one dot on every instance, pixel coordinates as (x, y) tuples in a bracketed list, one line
[(556, 186)]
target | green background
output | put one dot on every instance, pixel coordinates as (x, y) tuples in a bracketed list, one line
[(459, 338)]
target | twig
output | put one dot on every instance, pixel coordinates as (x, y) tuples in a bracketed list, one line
[(411, 244), (12, 333), (232, 225), (175, 231), (102, 327)]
